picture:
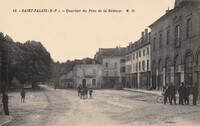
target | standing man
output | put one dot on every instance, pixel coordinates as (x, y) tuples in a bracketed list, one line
[(166, 94), (5, 103), (187, 93), (181, 91), (23, 94), (172, 91), (195, 93)]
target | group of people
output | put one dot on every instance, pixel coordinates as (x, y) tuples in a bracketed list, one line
[(184, 92), (83, 92)]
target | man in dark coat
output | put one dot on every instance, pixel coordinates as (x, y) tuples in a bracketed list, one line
[(187, 93), (172, 91), (195, 93), (5, 103), (166, 94), (181, 91)]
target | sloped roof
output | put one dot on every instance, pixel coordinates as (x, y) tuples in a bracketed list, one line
[(119, 51)]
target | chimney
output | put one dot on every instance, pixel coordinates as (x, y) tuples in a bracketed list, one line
[(167, 10), (146, 35), (146, 32), (142, 34), (149, 38), (142, 37)]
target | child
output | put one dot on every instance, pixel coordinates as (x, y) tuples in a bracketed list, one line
[(90, 92)]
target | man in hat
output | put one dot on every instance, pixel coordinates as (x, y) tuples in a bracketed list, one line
[(5, 103)]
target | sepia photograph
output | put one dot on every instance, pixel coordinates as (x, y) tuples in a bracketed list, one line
[(99, 62)]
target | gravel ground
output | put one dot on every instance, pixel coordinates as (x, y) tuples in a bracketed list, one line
[(50, 107)]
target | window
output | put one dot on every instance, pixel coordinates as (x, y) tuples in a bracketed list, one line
[(177, 32), (93, 81), (94, 72), (136, 54), (106, 73), (147, 65), (167, 37), (189, 27), (160, 40), (106, 64), (143, 65), (128, 68), (143, 52), (154, 43), (115, 65), (139, 53), (88, 72), (177, 36), (136, 66), (133, 56), (139, 66), (122, 61), (147, 50), (128, 58), (123, 69)]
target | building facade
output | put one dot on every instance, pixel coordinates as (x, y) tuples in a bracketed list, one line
[(175, 45), (66, 81), (88, 75), (138, 63), (113, 60)]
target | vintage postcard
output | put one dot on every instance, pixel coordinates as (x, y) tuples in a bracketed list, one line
[(99, 62)]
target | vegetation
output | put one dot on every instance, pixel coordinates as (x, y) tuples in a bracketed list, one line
[(29, 62)]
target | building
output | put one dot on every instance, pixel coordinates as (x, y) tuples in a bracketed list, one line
[(138, 63), (89, 75), (175, 45), (114, 67), (66, 81)]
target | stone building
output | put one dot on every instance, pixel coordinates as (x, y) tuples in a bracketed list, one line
[(113, 60), (89, 75), (66, 81), (175, 45), (138, 63)]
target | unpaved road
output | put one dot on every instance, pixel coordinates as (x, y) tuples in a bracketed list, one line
[(50, 107)]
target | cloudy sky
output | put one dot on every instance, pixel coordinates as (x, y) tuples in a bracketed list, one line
[(79, 34)]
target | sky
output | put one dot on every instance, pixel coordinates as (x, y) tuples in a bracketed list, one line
[(76, 35)]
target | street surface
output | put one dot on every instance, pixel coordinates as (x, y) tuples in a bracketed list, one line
[(59, 107)]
